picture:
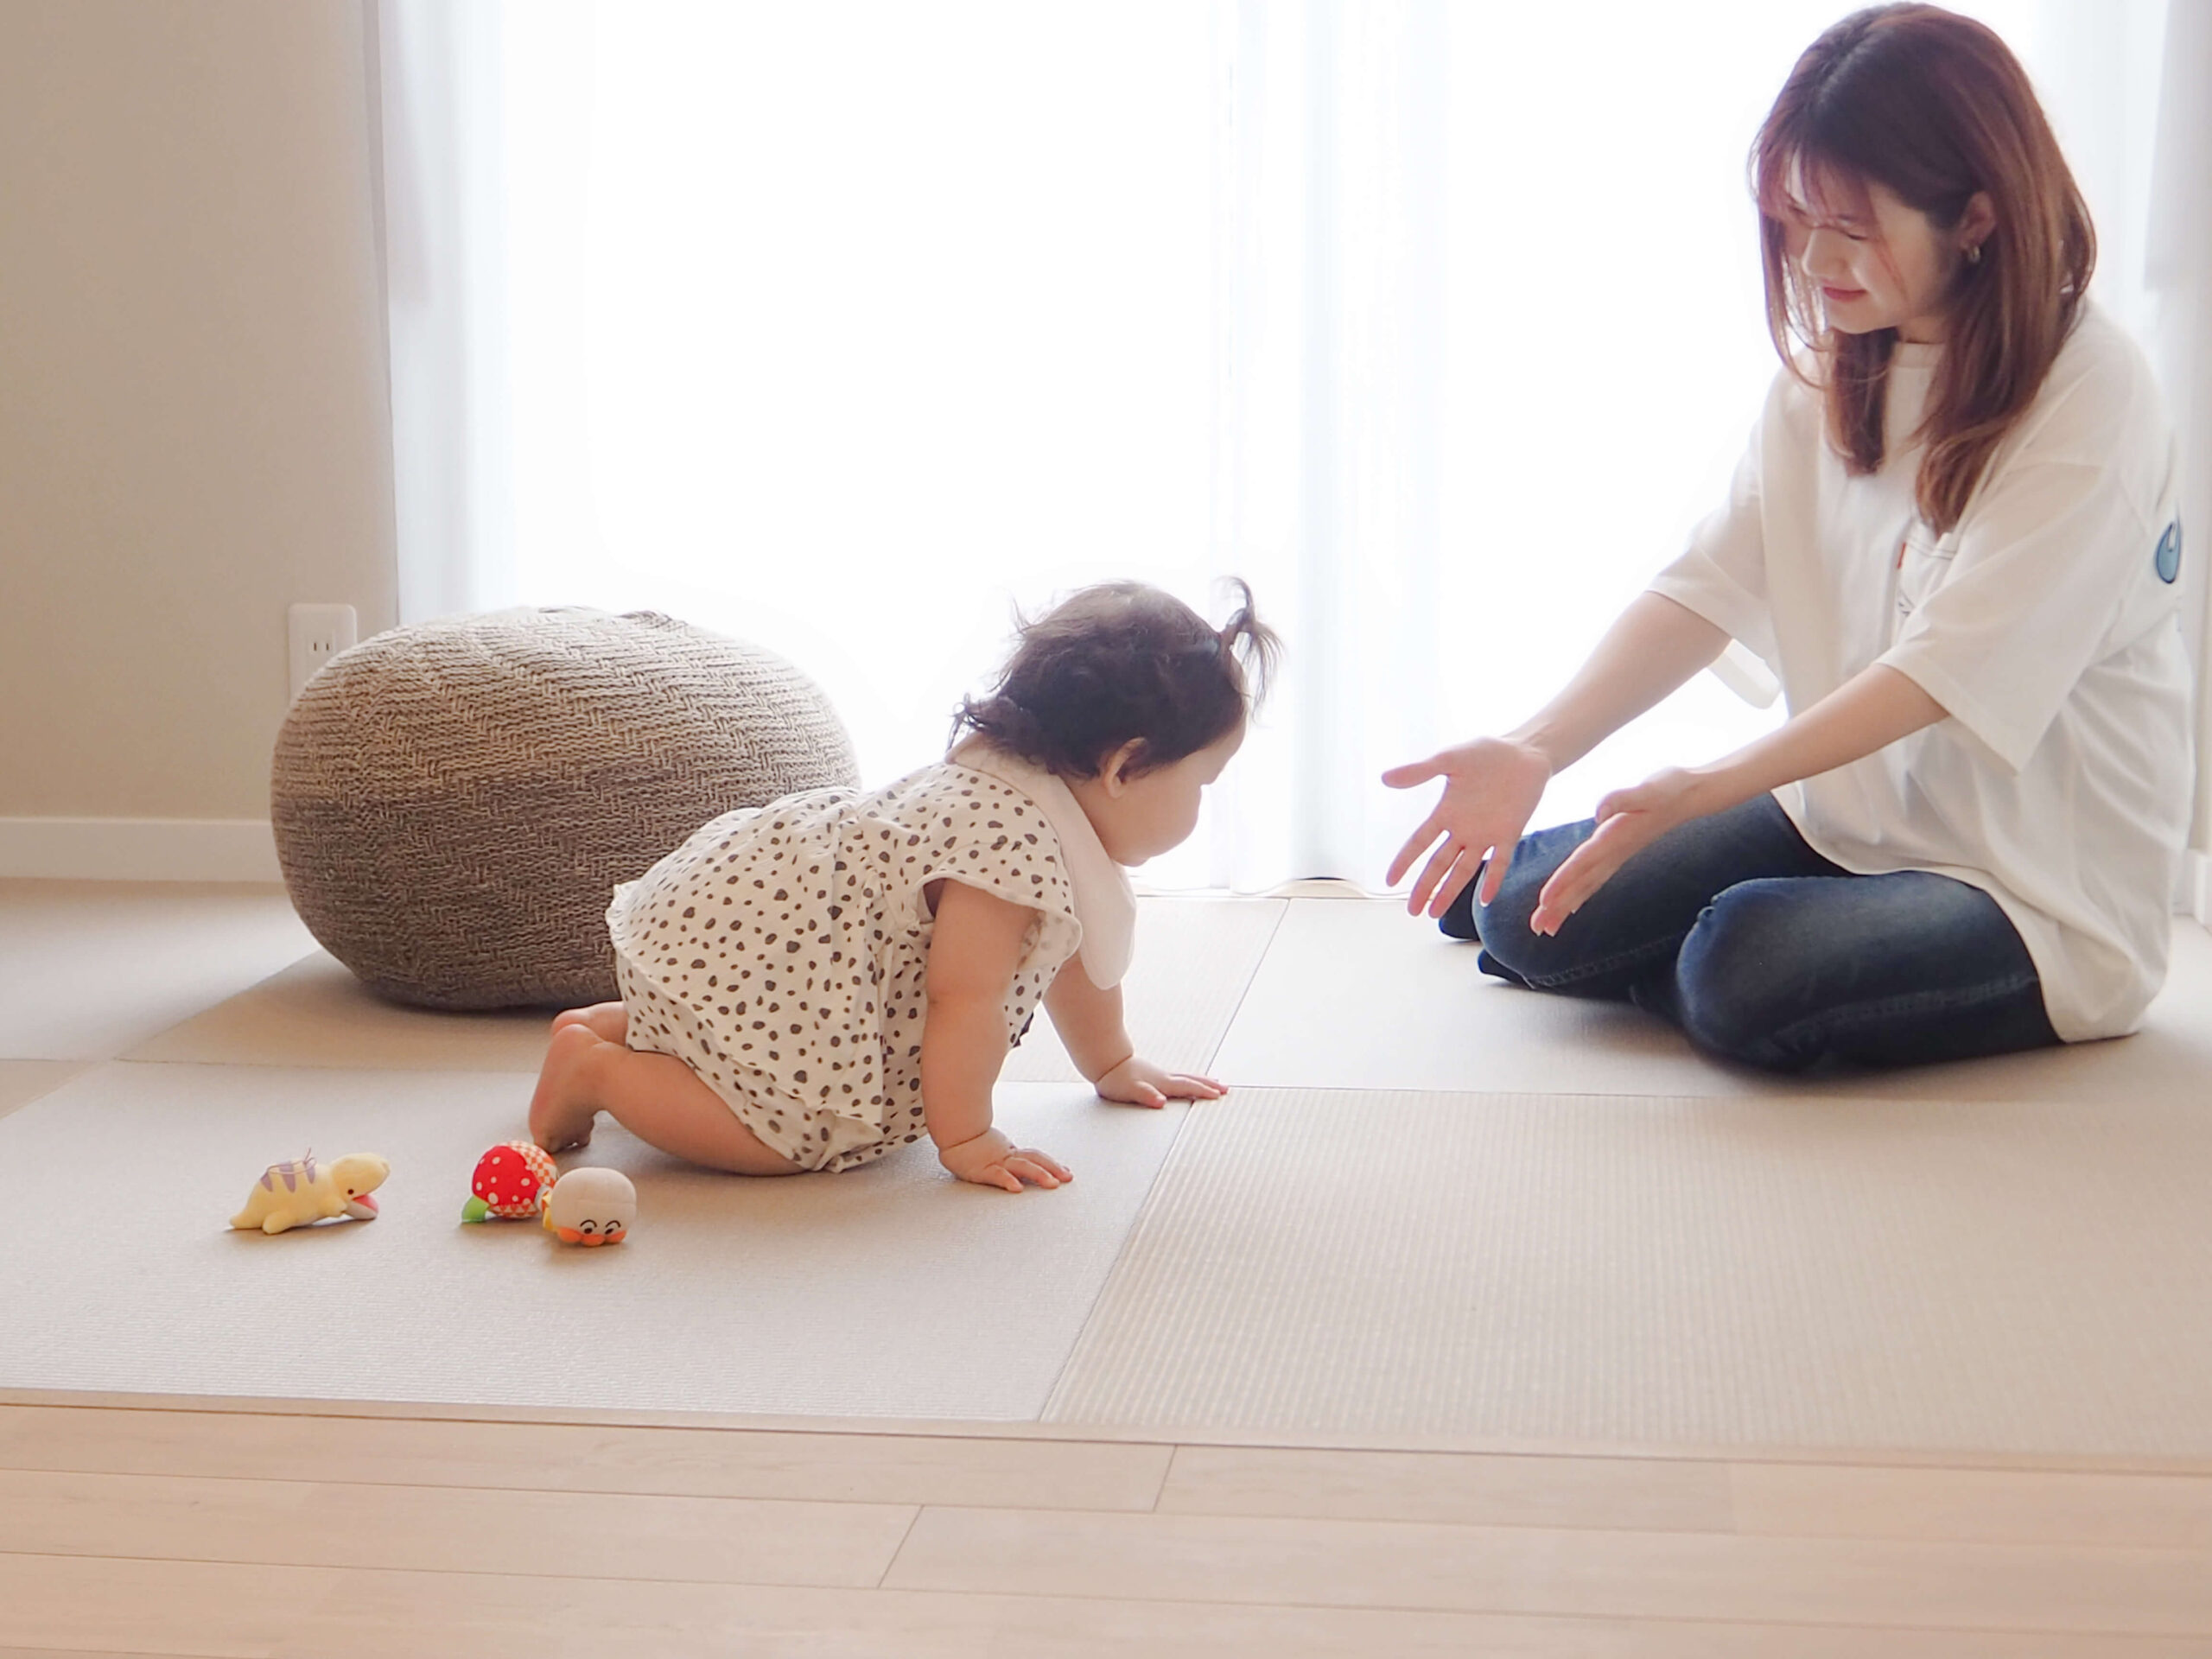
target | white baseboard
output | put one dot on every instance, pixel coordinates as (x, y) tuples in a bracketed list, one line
[(139, 850)]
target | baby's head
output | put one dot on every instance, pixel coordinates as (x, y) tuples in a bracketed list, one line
[(1130, 697)]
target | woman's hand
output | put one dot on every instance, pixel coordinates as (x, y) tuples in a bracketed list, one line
[(991, 1160), (1491, 789), (1869, 711), (1140, 1082), (1628, 820)]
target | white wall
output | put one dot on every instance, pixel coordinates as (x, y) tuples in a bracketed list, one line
[(193, 406)]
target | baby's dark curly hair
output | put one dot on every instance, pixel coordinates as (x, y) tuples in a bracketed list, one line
[(1123, 663)]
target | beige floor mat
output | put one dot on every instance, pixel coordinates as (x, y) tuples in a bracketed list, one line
[(88, 969), (1195, 958), (1993, 1276), (316, 1014), (23, 1081), (891, 1291), (1355, 994)]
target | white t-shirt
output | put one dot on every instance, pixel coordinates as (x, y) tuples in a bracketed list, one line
[(2046, 623)]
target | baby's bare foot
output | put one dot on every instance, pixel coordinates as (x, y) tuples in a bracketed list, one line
[(609, 1021), (562, 1112)]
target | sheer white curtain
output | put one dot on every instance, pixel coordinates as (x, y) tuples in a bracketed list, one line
[(847, 327), (445, 205)]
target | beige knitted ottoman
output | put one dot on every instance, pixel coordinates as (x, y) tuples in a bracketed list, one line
[(454, 803)]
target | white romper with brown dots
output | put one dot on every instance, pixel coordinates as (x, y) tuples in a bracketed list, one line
[(781, 951)]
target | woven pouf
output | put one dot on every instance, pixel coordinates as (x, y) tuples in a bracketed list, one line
[(455, 803)]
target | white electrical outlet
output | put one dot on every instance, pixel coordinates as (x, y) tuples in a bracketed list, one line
[(319, 632)]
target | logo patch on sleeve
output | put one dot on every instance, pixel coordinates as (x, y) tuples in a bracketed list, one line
[(2168, 557)]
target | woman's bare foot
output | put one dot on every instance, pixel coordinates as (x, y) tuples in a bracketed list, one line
[(562, 1110), (610, 1022)]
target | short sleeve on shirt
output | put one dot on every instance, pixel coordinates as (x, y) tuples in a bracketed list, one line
[(1722, 576), (2042, 568)]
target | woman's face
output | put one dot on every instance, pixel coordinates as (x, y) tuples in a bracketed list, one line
[(1875, 263)]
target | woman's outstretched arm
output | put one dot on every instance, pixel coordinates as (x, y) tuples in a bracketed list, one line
[(1870, 711), (1491, 785)]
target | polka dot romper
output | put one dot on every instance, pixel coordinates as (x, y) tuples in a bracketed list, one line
[(781, 951)]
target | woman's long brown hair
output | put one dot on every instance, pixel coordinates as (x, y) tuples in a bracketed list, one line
[(1935, 107)]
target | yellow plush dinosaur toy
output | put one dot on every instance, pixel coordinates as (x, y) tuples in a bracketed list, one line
[(295, 1194)]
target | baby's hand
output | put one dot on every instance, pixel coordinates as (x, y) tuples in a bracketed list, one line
[(1140, 1082), (991, 1160)]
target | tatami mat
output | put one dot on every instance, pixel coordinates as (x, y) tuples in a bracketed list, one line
[(24, 1081), (1999, 1276), (88, 969), (1194, 959), (1433, 1209), (1355, 994), (316, 1014), (891, 1292)]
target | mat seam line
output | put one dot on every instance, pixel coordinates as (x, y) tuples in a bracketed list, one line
[(1152, 1193), (1244, 994), (316, 948)]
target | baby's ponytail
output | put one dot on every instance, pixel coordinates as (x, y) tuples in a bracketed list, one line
[(1255, 648)]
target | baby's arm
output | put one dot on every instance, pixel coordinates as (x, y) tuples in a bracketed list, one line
[(1088, 1020), (973, 951)]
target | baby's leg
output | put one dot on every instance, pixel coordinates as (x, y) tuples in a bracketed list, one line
[(611, 1020), (656, 1096)]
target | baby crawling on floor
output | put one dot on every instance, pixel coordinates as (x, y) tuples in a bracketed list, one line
[(811, 984)]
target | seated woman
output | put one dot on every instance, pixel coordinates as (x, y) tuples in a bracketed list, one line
[(1954, 537)]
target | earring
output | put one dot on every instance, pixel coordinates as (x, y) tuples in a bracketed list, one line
[(1974, 254)]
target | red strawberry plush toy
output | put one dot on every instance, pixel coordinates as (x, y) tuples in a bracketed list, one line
[(511, 1182)]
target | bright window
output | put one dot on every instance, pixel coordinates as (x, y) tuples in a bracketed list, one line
[(846, 327)]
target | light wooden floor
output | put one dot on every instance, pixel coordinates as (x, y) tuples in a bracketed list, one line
[(173, 1532)]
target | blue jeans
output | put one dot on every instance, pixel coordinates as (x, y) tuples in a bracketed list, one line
[(1765, 953)]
